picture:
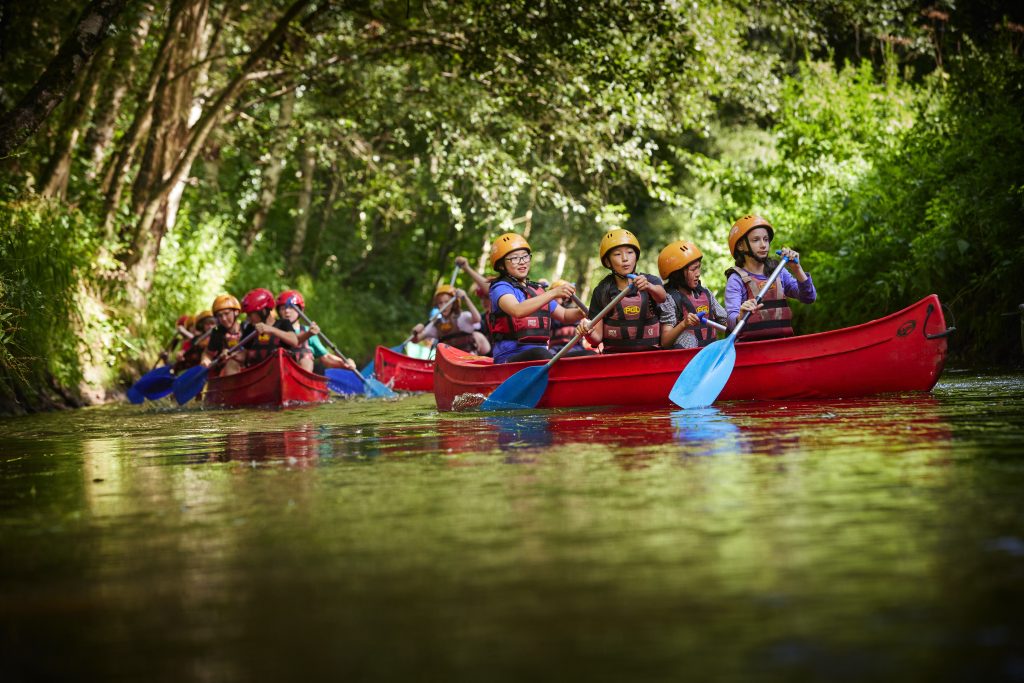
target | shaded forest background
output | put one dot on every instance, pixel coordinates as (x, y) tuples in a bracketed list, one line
[(353, 149)]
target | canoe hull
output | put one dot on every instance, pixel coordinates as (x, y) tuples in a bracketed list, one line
[(277, 381), (891, 354), (402, 372)]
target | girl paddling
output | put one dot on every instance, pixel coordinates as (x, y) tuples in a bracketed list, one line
[(750, 242), (310, 348), (259, 306), (640, 320), (520, 321), (227, 334), (679, 264), (453, 325)]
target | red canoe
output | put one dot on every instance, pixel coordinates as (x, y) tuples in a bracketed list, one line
[(403, 372), (277, 381), (905, 351)]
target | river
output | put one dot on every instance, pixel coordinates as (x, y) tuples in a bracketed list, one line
[(876, 539)]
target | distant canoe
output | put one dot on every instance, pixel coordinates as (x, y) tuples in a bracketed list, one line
[(905, 351), (277, 381), (402, 372)]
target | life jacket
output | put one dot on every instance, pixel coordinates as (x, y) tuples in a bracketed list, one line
[(303, 349), (696, 304), (561, 335), (532, 329), (448, 332), (775, 319), (191, 355), (228, 339), (260, 347), (633, 324)]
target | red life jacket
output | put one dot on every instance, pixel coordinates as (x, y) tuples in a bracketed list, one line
[(449, 333), (191, 355), (303, 349), (532, 329), (633, 324), (260, 347), (775, 320), (696, 304), (561, 335)]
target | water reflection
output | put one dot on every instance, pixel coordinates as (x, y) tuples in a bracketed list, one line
[(706, 431)]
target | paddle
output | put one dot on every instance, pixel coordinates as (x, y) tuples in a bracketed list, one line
[(582, 306), (711, 323), (400, 348), (373, 387), (704, 377), (191, 382), (525, 388), (343, 381), (158, 382)]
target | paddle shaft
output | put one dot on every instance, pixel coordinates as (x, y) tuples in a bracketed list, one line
[(711, 323), (234, 349), (582, 306), (604, 311), (760, 295), (305, 319)]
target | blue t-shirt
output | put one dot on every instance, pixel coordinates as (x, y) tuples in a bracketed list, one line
[(507, 347)]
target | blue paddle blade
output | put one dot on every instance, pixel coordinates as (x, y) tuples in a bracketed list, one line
[(154, 381), (190, 383), (342, 381), (367, 370), (704, 377), (522, 390), (377, 390)]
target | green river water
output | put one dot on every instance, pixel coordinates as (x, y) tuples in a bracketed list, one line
[(878, 539)]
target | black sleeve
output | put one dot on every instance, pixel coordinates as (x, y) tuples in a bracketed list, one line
[(596, 300), (284, 325)]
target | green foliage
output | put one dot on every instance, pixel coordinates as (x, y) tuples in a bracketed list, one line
[(45, 254)]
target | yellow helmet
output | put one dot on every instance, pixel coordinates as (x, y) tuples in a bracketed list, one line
[(225, 302), (677, 255), (505, 244), (744, 225), (618, 238), (444, 289), (203, 315)]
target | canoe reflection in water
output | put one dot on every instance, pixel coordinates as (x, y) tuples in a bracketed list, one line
[(300, 447)]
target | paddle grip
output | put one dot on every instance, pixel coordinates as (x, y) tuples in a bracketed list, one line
[(604, 311), (760, 295), (710, 323), (779, 253)]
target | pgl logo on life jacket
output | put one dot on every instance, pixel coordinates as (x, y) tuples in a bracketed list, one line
[(264, 338), (631, 310), (532, 322)]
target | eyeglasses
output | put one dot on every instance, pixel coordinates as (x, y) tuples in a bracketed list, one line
[(517, 260)]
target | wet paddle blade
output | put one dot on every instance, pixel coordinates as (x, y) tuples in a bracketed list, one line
[(704, 377), (375, 389), (190, 383), (522, 390), (343, 381), (153, 382)]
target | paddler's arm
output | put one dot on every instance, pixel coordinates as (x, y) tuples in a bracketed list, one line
[(479, 279), (461, 293), (289, 338), (527, 307)]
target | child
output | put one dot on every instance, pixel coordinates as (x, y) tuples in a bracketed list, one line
[(192, 350), (183, 332), (520, 321), (640, 321), (483, 284), (453, 325), (750, 242), (258, 305), (310, 348), (679, 264), (562, 333), (226, 335)]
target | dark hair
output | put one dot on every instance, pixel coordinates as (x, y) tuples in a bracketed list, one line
[(677, 279)]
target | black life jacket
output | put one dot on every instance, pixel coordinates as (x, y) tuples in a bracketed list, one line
[(260, 347), (775, 320), (532, 329), (633, 324), (701, 303)]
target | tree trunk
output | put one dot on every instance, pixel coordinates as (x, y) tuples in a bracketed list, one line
[(115, 88), (271, 173), (305, 201), (148, 233), (53, 181), (74, 55), (334, 186)]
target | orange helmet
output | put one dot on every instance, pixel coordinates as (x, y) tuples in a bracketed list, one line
[(185, 321), (744, 225), (203, 315), (677, 255), (618, 238), (444, 289), (225, 302), (505, 244)]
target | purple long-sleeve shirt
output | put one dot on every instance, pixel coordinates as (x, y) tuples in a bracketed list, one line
[(736, 292)]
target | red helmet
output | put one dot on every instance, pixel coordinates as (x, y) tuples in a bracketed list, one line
[(257, 300), (184, 321), (291, 296)]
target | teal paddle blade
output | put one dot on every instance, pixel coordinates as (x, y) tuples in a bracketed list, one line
[(190, 383), (522, 390), (367, 370), (704, 377), (377, 390), (342, 381)]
